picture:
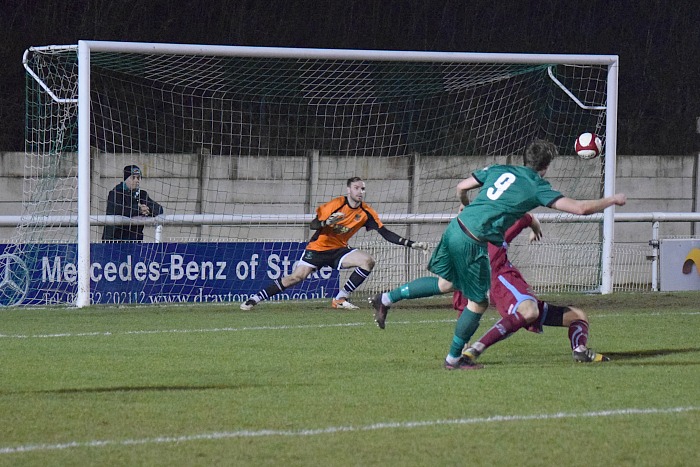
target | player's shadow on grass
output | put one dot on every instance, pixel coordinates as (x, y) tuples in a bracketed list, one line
[(637, 354), (630, 356)]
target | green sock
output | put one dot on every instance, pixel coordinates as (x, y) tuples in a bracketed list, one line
[(467, 325), (419, 288)]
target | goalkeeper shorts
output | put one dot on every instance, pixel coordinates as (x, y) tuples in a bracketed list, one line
[(319, 259)]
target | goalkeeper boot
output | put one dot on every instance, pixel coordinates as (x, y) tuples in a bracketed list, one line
[(248, 305), (380, 310), (343, 303), (463, 364), (589, 356)]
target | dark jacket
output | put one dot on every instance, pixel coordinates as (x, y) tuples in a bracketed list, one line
[(124, 202)]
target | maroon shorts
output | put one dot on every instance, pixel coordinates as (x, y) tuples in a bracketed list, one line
[(507, 292)]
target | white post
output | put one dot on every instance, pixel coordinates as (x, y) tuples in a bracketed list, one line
[(82, 297), (655, 256), (606, 285)]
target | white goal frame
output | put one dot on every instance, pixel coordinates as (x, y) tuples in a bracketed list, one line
[(85, 48)]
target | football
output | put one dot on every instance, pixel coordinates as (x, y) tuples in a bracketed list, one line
[(588, 146)]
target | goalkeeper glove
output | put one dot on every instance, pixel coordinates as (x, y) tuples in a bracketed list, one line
[(420, 246), (334, 218)]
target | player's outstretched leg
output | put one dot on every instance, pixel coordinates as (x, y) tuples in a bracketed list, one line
[(272, 289), (417, 288), (380, 310)]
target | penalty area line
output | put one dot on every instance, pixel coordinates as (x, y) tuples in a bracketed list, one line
[(338, 429)]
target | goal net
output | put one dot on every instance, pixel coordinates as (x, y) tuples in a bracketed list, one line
[(240, 145)]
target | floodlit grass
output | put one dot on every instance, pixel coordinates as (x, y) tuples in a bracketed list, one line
[(301, 384)]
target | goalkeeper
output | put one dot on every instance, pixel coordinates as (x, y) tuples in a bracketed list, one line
[(335, 223), (520, 308)]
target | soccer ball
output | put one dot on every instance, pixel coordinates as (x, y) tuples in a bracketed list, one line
[(588, 146)]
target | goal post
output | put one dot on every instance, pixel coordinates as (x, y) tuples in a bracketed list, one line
[(241, 144)]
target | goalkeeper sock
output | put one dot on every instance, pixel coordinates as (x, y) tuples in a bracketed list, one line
[(271, 290), (578, 333), (356, 279), (465, 328), (418, 288)]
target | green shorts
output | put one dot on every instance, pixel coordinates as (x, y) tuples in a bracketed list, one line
[(464, 262)]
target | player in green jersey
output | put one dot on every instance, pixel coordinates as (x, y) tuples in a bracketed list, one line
[(461, 259)]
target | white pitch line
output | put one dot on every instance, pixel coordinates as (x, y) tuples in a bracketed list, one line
[(185, 331), (652, 314), (337, 429), (492, 317)]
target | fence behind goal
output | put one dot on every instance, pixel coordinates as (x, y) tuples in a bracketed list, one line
[(230, 137)]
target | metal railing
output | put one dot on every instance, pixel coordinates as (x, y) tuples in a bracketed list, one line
[(655, 218)]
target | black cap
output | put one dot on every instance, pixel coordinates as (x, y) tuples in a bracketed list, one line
[(130, 170)]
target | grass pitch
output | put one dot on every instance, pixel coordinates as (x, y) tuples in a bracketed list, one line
[(301, 384)]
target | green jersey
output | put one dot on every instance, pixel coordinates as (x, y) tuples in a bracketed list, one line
[(507, 192)]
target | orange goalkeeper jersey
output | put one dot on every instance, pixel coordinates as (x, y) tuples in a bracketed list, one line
[(337, 235)]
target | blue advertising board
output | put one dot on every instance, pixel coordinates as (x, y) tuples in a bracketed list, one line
[(45, 274)]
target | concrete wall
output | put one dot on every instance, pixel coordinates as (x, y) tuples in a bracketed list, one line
[(652, 183), (11, 178), (657, 183)]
